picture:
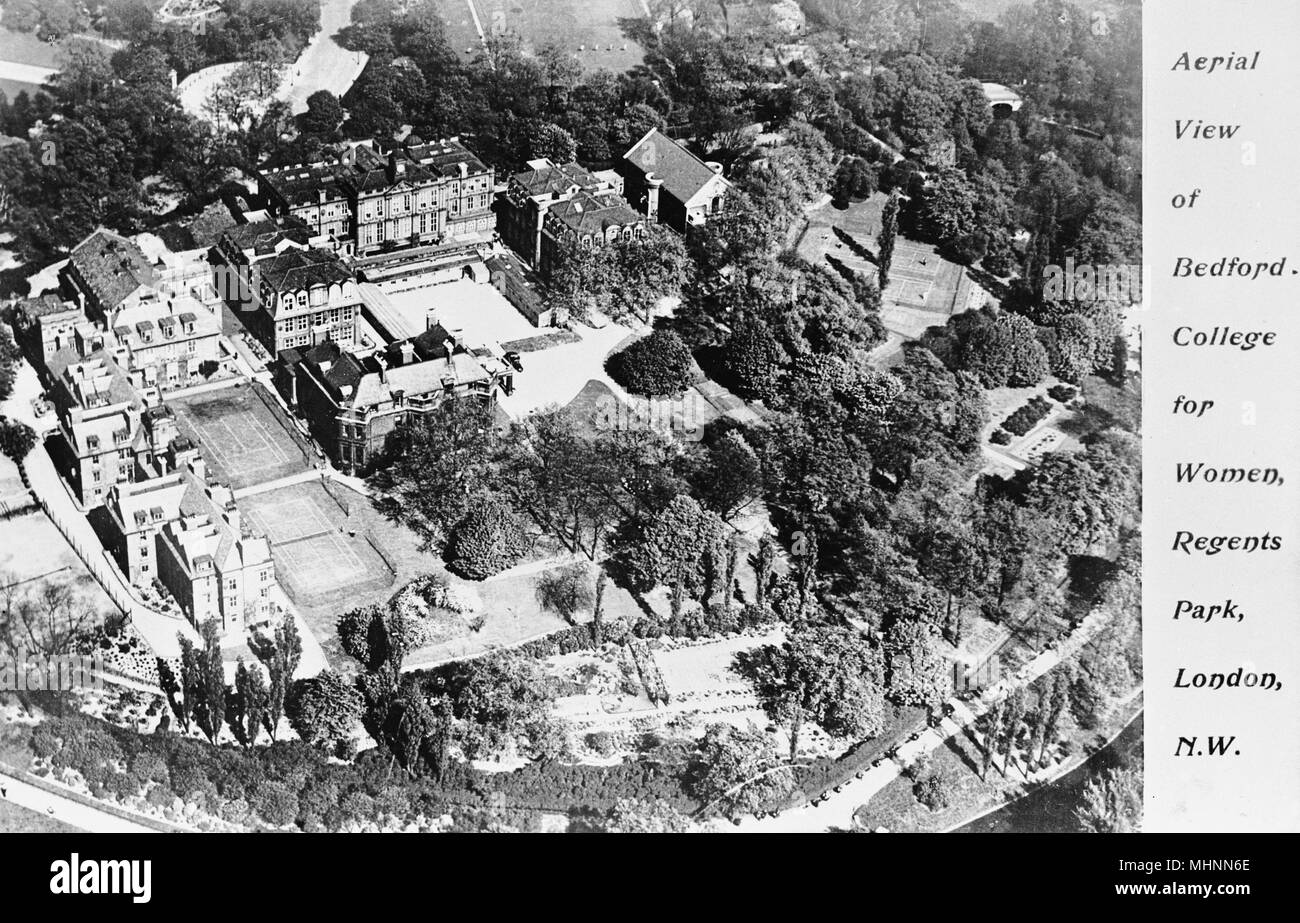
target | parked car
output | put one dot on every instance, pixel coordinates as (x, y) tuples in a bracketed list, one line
[(515, 362)]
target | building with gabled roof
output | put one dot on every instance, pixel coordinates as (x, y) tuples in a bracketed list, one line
[(668, 183), (305, 297), (106, 271), (188, 533), (46, 324)]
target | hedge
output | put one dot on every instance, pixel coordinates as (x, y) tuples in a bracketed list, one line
[(1026, 418)]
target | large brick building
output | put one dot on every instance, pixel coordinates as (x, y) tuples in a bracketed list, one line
[(666, 182), (306, 296), (106, 272), (149, 317), (552, 208), (187, 533), (110, 434), (374, 195), (353, 404)]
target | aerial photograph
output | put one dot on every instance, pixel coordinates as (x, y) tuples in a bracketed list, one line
[(570, 416)]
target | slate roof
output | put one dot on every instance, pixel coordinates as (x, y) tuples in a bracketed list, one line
[(295, 270), (683, 173), (45, 305), (555, 178), (262, 237), (112, 266), (593, 214)]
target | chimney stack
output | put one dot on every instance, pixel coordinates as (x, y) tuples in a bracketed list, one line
[(652, 184)]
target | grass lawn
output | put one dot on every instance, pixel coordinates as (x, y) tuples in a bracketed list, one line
[(31, 547), (14, 819), (587, 29), (1106, 405), (26, 48)]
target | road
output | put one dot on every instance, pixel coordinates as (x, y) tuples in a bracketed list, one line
[(836, 811), (323, 64), (69, 811), (25, 73)]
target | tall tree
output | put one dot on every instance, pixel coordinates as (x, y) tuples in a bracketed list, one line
[(598, 606), (1011, 721), (279, 655), (213, 709), (885, 239), (252, 694), (992, 726), (729, 579), (763, 569), (1111, 802), (191, 682)]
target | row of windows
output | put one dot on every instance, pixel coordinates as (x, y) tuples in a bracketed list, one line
[(334, 317)]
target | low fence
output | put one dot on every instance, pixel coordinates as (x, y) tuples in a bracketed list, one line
[(111, 583)]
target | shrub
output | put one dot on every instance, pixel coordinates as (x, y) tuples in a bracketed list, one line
[(487, 541), (17, 439), (1073, 348), (460, 599), (1062, 394), (658, 364), (1000, 437), (1004, 350), (855, 179), (933, 788), (602, 743), (753, 359), (276, 804), (325, 709)]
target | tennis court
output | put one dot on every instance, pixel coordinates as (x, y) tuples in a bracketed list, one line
[(919, 278), (320, 553), (241, 436)]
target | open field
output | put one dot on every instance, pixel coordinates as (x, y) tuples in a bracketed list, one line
[(242, 436), (588, 29), (32, 548), (26, 48)]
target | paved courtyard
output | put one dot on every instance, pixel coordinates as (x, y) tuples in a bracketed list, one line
[(476, 309), (243, 438)]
